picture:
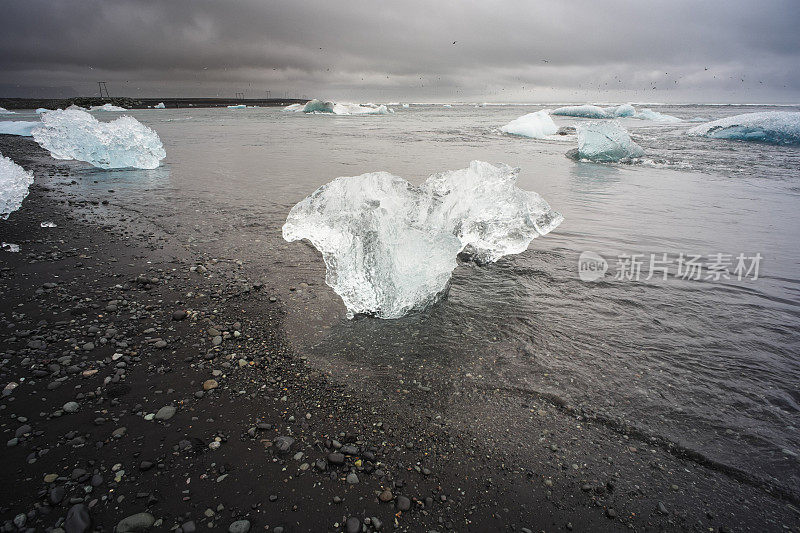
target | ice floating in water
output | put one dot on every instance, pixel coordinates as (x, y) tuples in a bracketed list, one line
[(649, 114), (406, 106), (585, 111), (777, 127), (40, 110), (48, 224), (77, 108), (338, 108), (391, 247), (18, 127), (122, 143), (4, 111), (159, 105), (536, 125), (106, 107), (10, 247), (14, 184), (624, 110), (605, 142), (239, 106)]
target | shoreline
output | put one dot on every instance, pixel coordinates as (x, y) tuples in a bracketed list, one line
[(527, 463), (143, 103)]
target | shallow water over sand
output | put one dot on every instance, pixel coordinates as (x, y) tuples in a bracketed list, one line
[(712, 366)]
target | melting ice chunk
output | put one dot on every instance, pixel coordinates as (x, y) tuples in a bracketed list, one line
[(121, 143), (4, 111), (14, 184), (339, 108), (10, 247), (777, 127), (649, 114), (585, 111), (536, 125), (624, 110), (106, 107), (48, 224), (18, 127), (159, 105), (390, 247), (237, 106), (605, 142), (40, 110)]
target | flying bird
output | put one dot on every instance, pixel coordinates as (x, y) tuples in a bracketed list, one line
[(545, 60), (454, 42)]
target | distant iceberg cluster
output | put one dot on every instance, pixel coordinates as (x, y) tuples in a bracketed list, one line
[(390, 247), (605, 142), (122, 143), (106, 107), (339, 108), (621, 111), (777, 127), (18, 127), (536, 125), (14, 185)]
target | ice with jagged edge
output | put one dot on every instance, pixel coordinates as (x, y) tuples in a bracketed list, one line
[(14, 184), (584, 111), (536, 125), (122, 143), (18, 127), (339, 108), (649, 114), (776, 127), (107, 107), (605, 142), (390, 247)]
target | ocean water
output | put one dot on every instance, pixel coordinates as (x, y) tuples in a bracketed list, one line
[(709, 365)]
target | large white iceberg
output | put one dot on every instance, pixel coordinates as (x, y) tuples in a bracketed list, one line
[(585, 111), (778, 127), (605, 142), (14, 185), (536, 125), (106, 107), (649, 114), (339, 108), (18, 127), (4, 111), (122, 143), (390, 247)]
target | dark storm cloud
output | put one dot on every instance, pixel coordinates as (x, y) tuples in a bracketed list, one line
[(374, 50)]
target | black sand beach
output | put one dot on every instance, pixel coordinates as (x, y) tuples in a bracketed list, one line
[(147, 387)]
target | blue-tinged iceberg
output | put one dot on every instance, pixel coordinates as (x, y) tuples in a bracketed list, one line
[(584, 111), (122, 143), (40, 110), (620, 111), (777, 127), (14, 185), (339, 108), (237, 106), (107, 107), (18, 127), (649, 114), (605, 142), (391, 247), (536, 125)]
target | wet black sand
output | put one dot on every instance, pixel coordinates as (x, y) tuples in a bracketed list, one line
[(123, 322)]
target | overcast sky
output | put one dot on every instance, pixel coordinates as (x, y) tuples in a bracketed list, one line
[(505, 50)]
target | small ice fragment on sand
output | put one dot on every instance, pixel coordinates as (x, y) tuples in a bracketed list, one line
[(10, 247), (48, 224)]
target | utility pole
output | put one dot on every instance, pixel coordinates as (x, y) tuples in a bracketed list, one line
[(103, 87), (269, 94)]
